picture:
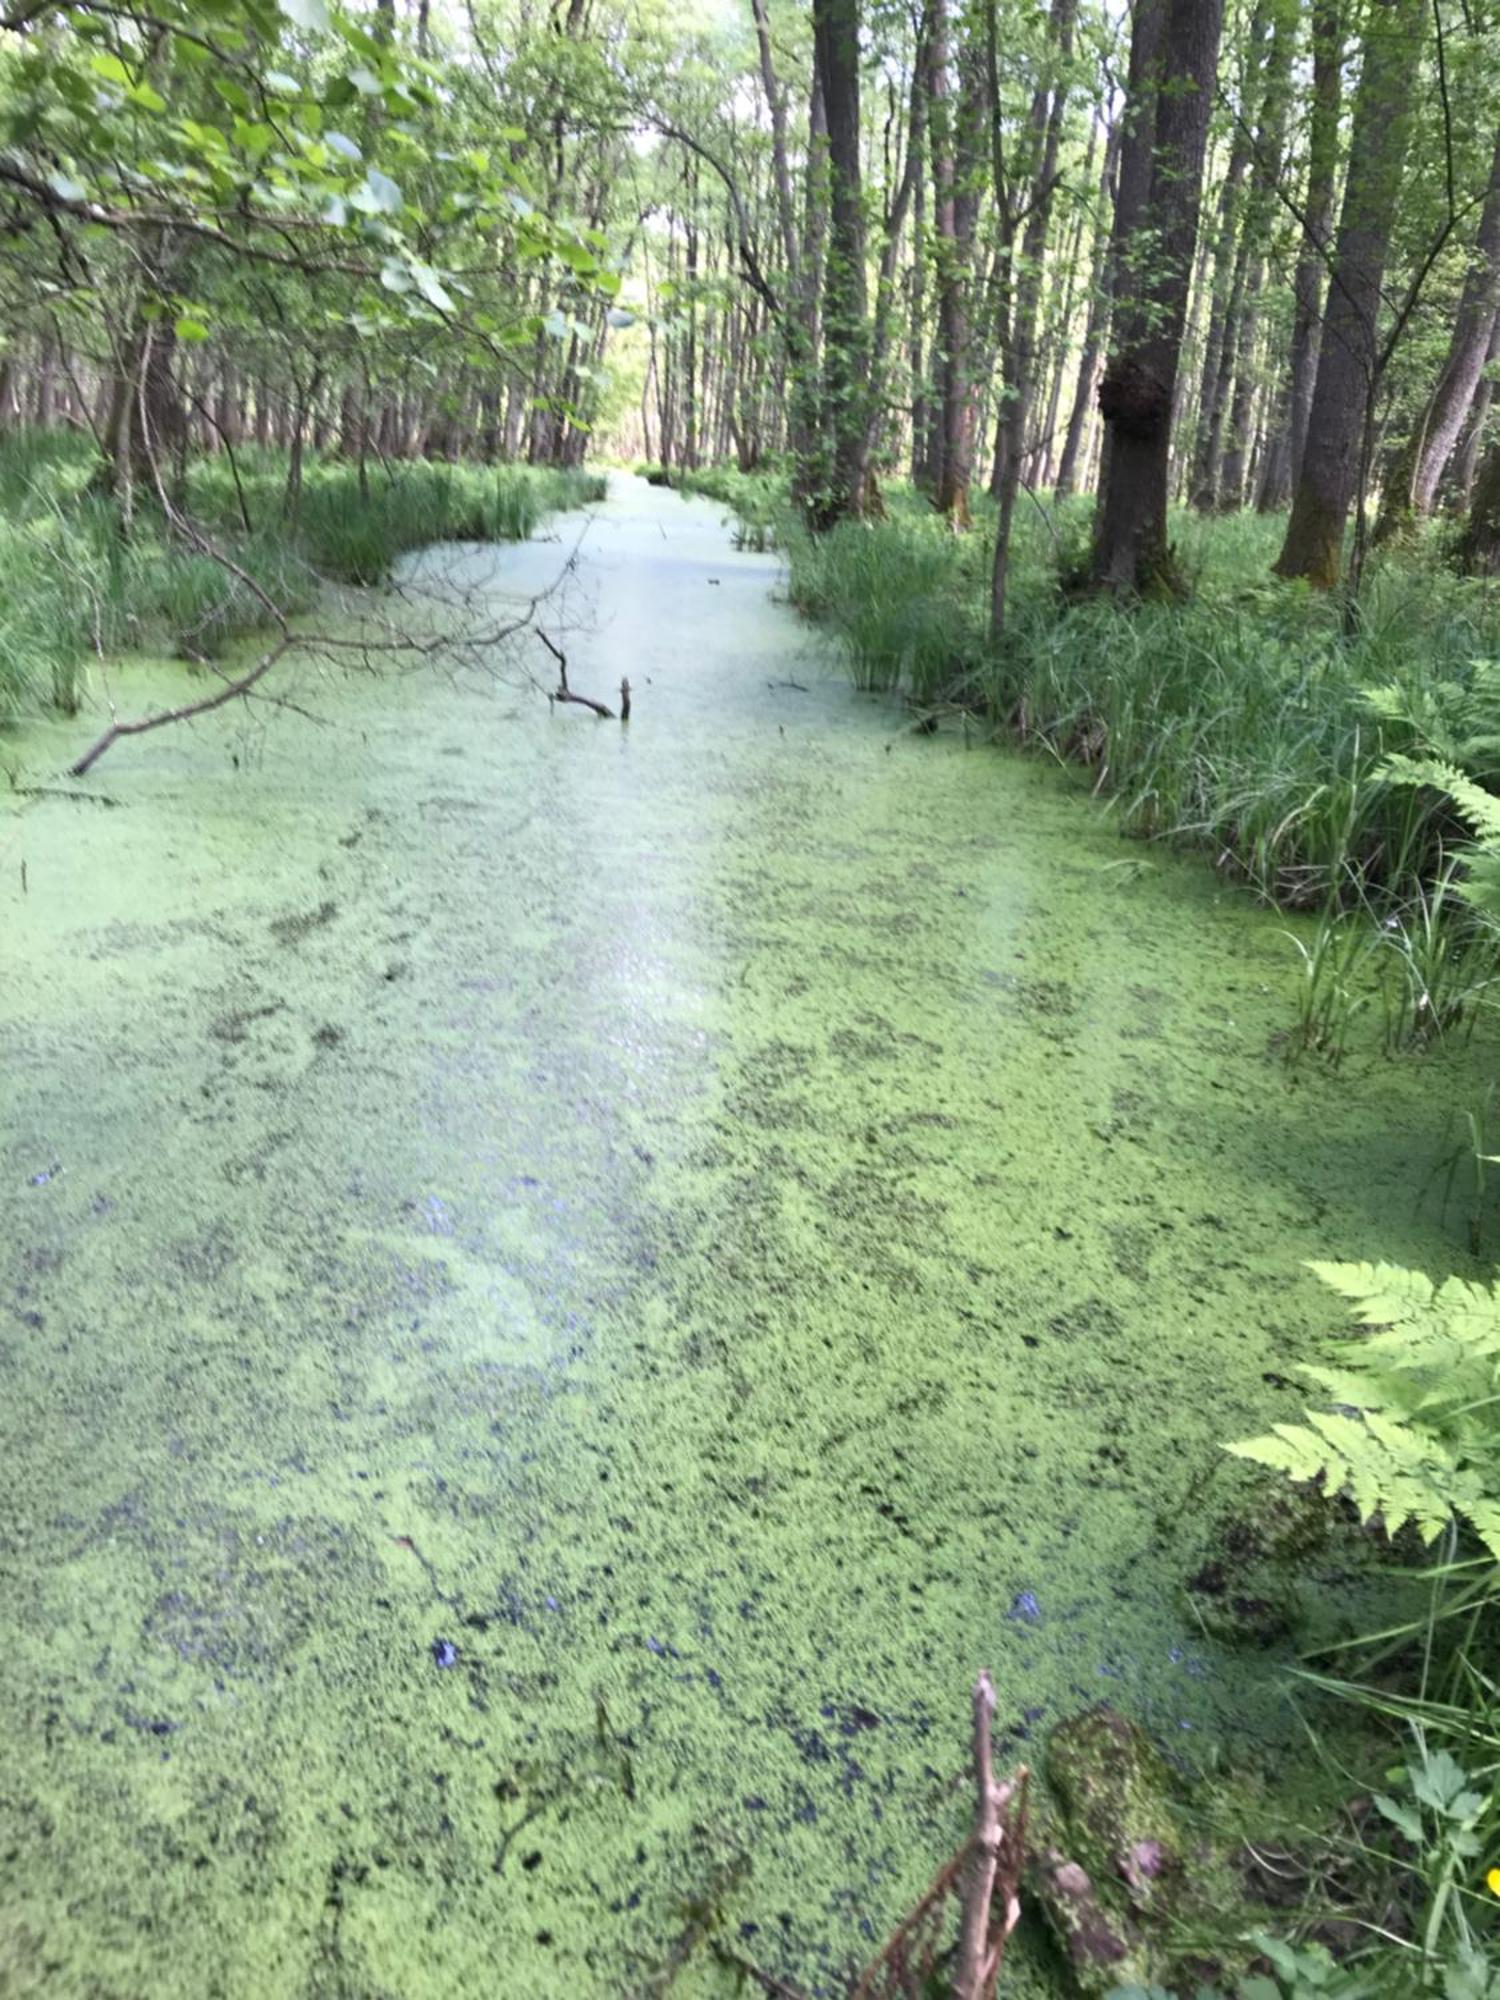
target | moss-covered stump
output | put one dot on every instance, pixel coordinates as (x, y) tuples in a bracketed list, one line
[(1122, 1879)]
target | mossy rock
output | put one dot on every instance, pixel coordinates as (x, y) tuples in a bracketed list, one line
[(1279, 1521)]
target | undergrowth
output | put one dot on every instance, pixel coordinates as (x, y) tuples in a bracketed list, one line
[(74, 583)]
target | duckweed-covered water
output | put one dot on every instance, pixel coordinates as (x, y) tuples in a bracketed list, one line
[(565, 1286)]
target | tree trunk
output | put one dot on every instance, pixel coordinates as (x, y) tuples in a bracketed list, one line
[(1339, 425), (1468, 452), (1479, 546), (1155, 242), (1420, 464), (1227, 276), (1096, 327), (1018, 324), (1228, 477), (838, 491), (1317, 217)]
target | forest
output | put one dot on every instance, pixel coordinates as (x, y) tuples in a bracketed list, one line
[(750, 864)]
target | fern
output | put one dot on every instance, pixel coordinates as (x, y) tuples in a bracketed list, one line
[(1452, 721), (1413, 1434)]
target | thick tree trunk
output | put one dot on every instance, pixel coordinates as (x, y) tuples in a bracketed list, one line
[(1156, 243), (1338, 431)]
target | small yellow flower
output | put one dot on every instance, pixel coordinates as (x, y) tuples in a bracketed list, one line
[(1492, 1881)]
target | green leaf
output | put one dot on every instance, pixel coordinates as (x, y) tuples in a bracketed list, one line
[(379, 194), (311, 15), (431, 288), (1406, 1822), (187, 328)]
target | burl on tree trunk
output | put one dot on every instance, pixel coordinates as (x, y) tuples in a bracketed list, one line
[(1133, 556)]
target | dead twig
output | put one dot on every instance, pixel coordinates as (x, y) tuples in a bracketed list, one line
[(995, 1857), (564, 693), (984, 1875)]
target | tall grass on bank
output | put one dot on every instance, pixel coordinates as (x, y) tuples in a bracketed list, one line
[(73, 583), (756, 500), (1243, 721)]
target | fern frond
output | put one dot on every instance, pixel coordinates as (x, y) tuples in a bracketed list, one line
[(1382, 1292), (1480, 808), (1413, 1436)]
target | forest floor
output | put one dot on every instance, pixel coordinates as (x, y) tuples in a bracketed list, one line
[(566, 1285)]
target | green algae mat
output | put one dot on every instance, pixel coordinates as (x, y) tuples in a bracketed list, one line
[(565, 1286)]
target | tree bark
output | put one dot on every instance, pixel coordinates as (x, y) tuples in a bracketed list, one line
[(1479, 545), (1307, 284), (1096, 326), (1229, 476), (1226, 281), (838, 492), (1467, 457), (1343, 398), (1412, 486), (1155, 241), (1018, 324)]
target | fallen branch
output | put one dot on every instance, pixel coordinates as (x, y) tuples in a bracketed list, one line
[(231, 691), (564, 693)]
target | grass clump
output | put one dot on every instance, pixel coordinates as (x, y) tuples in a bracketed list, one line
[(74, 582)]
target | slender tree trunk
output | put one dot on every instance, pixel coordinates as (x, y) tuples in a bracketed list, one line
[(1317, 214), (1413, 483), (1242, 330), (1343, 399), (921, 464), (1018, 324), (838, 492), (1096, 326), (1479, 546), (1226, 275), (1467, 457)]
